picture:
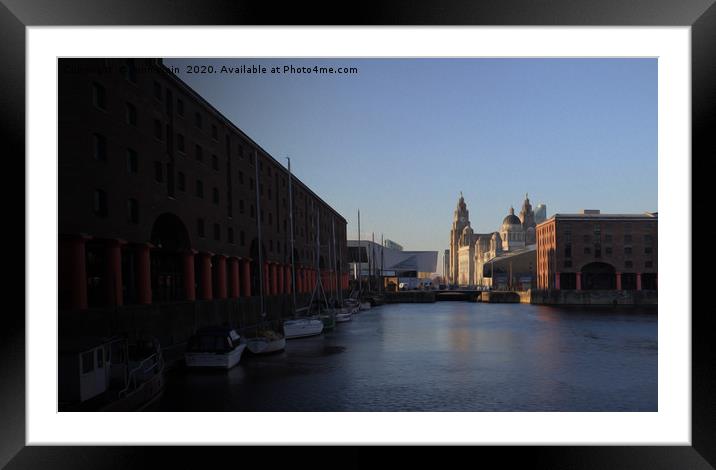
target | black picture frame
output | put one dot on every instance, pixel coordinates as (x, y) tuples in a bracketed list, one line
[(16, 15)]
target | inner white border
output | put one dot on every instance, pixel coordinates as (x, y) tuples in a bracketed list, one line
[(670, 425)]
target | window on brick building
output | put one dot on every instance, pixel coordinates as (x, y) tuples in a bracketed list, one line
[(132, 161), (100, 203), (200, 227), (217, 232), (199, 188), (158, 172), (99, 96), (198, 152), (99, 146), (133, 211)]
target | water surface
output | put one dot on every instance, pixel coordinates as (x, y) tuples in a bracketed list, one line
[(446, 356)]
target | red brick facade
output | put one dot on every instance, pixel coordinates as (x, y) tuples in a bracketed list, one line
[(598, 252)]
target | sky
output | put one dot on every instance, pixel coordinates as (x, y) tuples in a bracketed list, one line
[(399, 139)]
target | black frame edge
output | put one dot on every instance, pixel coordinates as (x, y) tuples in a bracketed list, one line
[(12, 122)]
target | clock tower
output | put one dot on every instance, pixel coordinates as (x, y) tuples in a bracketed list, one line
[(461, 219)]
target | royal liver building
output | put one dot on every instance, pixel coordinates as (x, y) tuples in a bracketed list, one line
[(472, 253)]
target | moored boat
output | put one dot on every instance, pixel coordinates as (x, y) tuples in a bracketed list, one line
[(267, 341), (219, 347), (302, 327), (109, 374)]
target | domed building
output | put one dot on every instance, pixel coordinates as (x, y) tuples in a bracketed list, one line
[(512, 232), (500, 259)]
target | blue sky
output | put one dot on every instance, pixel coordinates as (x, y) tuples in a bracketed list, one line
[(401, 138)]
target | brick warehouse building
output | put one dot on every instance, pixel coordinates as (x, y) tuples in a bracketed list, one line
[(594, 251), (159, 202)]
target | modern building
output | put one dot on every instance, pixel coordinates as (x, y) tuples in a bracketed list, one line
[(595, 251), (392, 245), (162, 198), (369, 260)]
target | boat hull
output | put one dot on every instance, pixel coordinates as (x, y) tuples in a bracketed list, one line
[(213, 360), (265, 346), (343, 317), (302, 328)]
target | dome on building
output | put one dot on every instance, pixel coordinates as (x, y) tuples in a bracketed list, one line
[(511, 220)]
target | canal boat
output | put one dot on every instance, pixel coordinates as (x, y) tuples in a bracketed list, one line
[(365, 306), (214, 347), (266, 342), (109, 374)]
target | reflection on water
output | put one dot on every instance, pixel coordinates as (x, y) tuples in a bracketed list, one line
[(447, 356)]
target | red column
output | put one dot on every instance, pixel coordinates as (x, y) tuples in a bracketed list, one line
[(233, 277), (579, 281), (274, 278), (619, 281), (74, 271), (205, 290), (220, 270), (638, 281), (144, 280), (281, 278), (189, 277), (113, 272), (246, 277), (299, 280), (556, 281), (288, 280), (267, 285)]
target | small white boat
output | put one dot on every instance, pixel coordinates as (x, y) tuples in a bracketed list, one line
[(343, 315), (214, 347), (267, 342), (302, 327)]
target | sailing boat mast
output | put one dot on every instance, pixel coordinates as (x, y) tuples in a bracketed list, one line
[(360, 261), (258, 227), (372, 260), (382, 279), (333, 266), (340, 273), (290, 219)]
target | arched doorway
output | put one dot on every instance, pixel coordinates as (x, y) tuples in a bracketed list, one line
[(171, 240), (598, 276)]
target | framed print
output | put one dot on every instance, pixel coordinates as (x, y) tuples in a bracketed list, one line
[(239, 227)]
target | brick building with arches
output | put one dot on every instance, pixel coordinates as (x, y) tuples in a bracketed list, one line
[(161, 198), (595, 251)]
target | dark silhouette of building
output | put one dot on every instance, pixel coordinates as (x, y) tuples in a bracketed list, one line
[(160, 196), (594, 251)]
